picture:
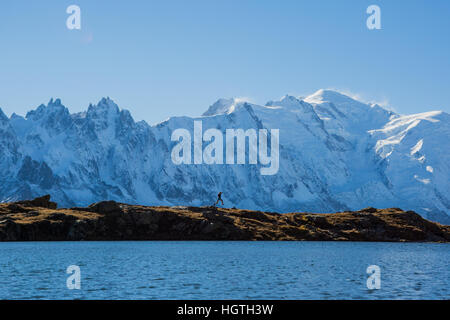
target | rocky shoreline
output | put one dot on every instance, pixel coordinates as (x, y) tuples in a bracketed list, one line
[(40, 220)]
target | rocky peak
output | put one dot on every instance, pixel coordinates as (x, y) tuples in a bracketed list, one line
[(103, 107), (3, 118)]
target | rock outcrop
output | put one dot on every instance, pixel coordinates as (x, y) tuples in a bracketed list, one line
[(39, 220), (43, 202)]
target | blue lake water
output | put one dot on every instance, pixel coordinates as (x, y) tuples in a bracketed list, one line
[(224, 270)]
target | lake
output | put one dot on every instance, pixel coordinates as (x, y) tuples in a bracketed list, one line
[(224, 270)]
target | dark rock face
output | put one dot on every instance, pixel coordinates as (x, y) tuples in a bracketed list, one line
[(39, 220), (36, 173)]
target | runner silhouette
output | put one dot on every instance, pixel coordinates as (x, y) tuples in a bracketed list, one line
[(219, 198)]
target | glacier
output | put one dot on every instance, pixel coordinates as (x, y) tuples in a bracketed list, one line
[(336, 154)]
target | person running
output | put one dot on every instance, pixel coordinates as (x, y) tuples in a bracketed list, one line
[(219, 198)]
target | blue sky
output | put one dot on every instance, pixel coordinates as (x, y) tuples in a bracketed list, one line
[(166, 58)]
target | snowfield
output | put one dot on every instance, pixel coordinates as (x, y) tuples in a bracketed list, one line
[(336, 154)]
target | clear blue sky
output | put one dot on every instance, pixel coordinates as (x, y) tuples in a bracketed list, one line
[(165, 58)]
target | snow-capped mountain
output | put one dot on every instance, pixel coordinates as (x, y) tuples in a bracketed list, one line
[(336, 154)]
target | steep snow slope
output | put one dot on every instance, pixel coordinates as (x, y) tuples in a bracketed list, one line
[(414, 153), (336, 154)]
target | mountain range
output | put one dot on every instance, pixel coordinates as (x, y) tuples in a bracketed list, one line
[(336, 154)]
